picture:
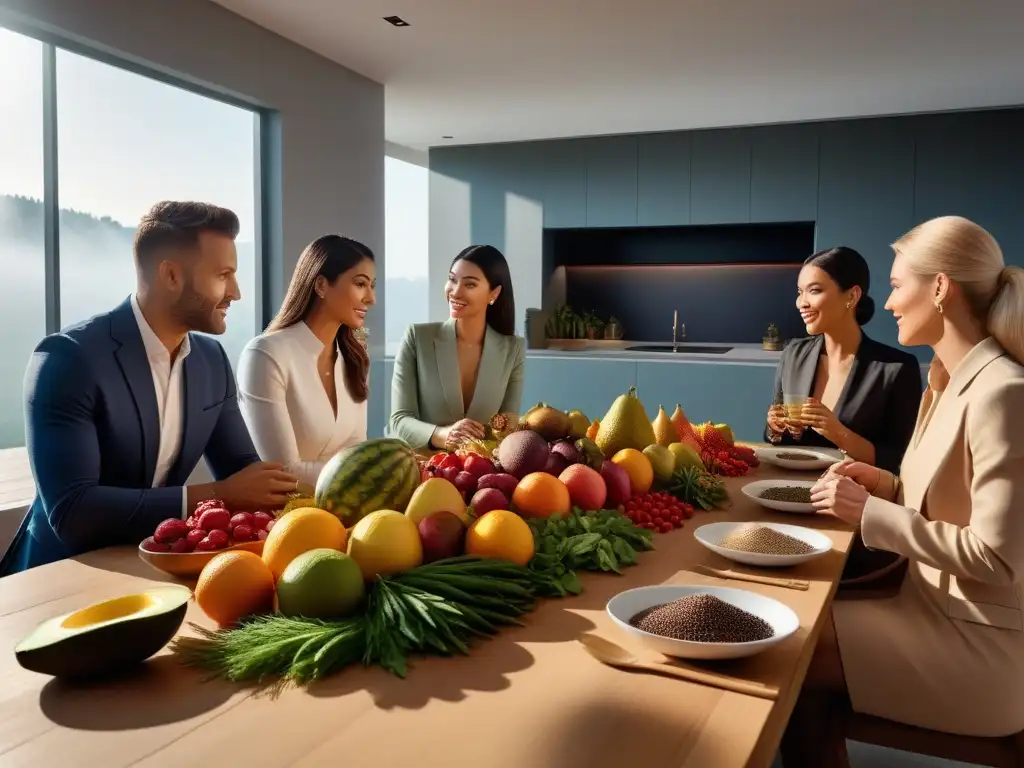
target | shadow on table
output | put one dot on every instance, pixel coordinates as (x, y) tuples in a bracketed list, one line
[(631, 733), (487, 668), (157, 692)]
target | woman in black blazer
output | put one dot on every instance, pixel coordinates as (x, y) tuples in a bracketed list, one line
[(863, 395)]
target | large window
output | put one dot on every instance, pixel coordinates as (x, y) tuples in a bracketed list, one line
[(22, 231), (406, 221), (123, 141)]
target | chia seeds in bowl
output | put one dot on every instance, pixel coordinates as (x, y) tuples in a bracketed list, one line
[(795, 456), (702, 618), (794, 494), (764, 541)]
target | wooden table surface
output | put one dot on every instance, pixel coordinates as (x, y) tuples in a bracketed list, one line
[(529, 697)]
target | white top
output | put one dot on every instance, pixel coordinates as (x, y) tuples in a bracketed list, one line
[(169, 383), (286, 408)]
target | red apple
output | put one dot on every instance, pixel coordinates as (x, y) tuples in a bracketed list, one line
[(486, 500), (442, 535)]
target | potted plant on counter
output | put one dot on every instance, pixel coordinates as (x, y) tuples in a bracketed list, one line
[(593, 324), (564, 324), (613, 330)]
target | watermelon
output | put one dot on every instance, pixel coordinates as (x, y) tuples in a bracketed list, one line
[(376, 474)]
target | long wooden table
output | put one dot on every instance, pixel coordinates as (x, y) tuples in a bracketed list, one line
[(530, 697)]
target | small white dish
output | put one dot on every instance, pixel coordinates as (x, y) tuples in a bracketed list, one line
[(711, 534), (625, 605), (820, 458), (753, 490)]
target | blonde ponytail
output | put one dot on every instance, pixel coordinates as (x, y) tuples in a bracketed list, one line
[(1006, 315), (971, 257)]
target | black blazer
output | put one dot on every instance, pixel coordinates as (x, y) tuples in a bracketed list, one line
[(879, 401)]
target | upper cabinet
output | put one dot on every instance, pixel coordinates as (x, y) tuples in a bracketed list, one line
[(784, 173), (565, 183), (663, 179), (972, 164), (611, 181), (720, 177)]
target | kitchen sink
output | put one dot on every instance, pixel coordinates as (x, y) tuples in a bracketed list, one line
[(683, 348)]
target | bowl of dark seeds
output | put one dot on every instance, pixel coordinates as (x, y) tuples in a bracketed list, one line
[(702, 622), (763, 544), (782, 495), (798, 458)]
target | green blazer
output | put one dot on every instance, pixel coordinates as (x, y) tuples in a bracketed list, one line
[(425, 388)]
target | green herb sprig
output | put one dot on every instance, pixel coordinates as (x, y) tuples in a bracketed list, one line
[(604, 540), (698, 488)]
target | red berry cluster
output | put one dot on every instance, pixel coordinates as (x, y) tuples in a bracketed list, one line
[(657, 511), (209, 528), (722, 463)]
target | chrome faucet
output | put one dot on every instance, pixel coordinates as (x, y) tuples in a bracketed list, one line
[(675, 328)]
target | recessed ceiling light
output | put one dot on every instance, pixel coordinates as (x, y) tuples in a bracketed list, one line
[(397, 21), (447, 137)]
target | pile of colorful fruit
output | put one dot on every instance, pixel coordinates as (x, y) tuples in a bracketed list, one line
[(397, 555)]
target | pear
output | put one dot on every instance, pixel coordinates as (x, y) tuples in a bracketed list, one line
[(664, 430), (625, 426)]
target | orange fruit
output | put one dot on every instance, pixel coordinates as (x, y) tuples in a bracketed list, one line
[(233, 585), (595, 425), (638, 467), (299, 531), (541, 495), (501, 535)]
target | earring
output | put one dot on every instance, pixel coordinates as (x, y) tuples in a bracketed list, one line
[(491, 302), (849, 306), (938, 307)]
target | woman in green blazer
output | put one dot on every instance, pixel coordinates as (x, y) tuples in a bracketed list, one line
[(450, 378)]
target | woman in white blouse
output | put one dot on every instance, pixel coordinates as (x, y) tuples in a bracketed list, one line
[(302, 385)]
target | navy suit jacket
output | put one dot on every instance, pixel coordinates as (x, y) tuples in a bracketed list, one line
[(93, 433)]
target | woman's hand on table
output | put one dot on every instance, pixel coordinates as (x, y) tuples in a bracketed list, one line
[(838, 493), (459, 432)]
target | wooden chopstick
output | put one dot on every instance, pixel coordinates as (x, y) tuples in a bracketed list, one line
[(801, 584)]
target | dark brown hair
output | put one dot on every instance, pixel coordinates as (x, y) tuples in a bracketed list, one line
[(501, 315), (330, 256), (848, 269), (172, 224)]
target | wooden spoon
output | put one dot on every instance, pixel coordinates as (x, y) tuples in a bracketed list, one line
[(615, 655)]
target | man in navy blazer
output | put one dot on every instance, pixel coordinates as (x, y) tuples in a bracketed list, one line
[(120, 408)]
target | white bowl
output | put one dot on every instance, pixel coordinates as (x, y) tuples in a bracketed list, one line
[(754, 489), (628, 604), (709, 535), (823, 457)]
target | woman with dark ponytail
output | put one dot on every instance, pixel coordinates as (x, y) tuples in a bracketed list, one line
[(303, 384), (862, 396), (450, 378)]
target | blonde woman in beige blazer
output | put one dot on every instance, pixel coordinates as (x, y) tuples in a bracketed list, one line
[(947, 652)]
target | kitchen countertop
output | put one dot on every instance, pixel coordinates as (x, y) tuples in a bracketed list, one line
[(745, 354)]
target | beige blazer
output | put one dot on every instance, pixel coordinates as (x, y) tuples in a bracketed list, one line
[(948, 652), (425, 387)]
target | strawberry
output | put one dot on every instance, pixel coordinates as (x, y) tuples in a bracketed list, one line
[(260, 519), (240, 518), (215, 519), (181, 546), (170, 530), (151, 545), (243, 532), (218, 538), (195, 536)]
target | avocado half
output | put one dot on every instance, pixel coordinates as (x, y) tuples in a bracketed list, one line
[(106, 637)]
